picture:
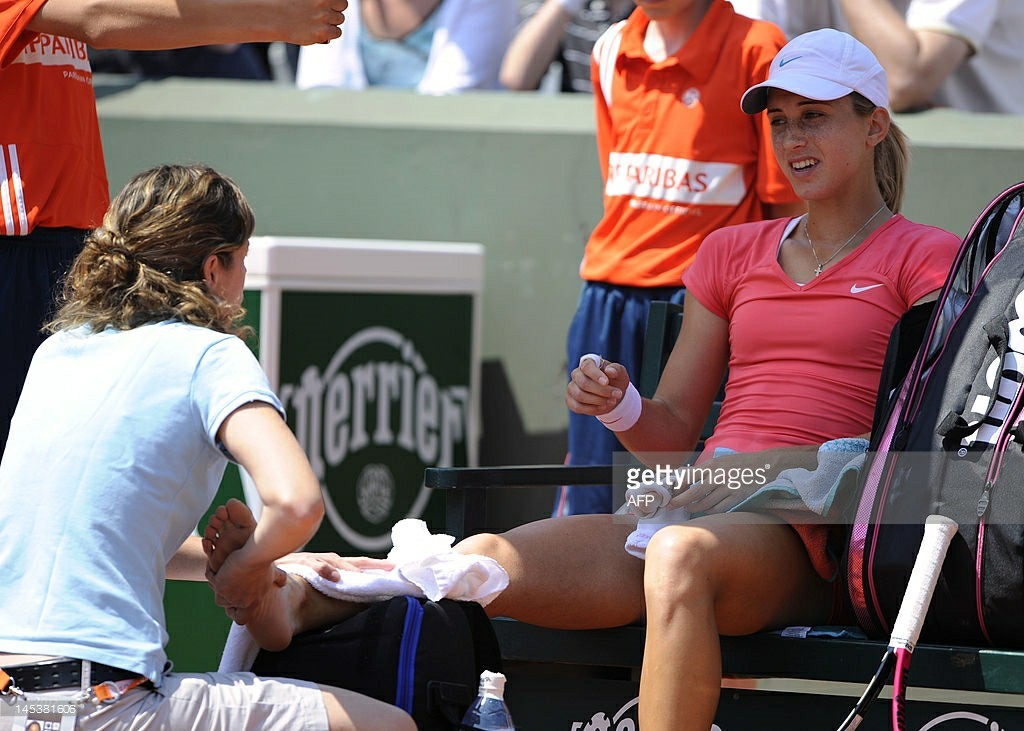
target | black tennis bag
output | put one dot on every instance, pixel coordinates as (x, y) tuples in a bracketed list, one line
[(422, 656), (950, 442)]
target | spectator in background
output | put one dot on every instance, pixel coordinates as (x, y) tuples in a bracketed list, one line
[(679, 160), (966, 54), (53, 183), (432, 46), (562, 32)]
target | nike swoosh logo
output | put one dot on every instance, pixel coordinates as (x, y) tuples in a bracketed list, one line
[(783, 63), (857, 290)]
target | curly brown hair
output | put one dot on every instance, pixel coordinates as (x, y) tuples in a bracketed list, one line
[(145, 263)]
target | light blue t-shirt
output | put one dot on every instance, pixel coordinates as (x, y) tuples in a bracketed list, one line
[(112, 461)]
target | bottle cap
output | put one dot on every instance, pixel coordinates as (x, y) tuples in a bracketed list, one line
[(492, 683)]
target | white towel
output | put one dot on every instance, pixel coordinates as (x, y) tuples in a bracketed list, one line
[(646, 499), (240, 651), (425, 566), (647, 502), (636, 542)]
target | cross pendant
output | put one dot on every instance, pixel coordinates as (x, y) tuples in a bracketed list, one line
[(818, 270)]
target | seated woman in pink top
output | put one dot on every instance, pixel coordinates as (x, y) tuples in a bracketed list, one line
[(800, 311)]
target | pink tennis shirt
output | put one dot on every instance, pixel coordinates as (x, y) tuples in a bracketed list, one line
[(805, 360)]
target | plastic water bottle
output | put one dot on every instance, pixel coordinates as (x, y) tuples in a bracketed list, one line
[(488, 712)]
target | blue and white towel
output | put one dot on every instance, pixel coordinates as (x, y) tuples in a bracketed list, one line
[(811, 490), (797, 489)]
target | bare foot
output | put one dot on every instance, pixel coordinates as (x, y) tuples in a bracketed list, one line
[(287, 610), (274, 619), (269, 620), (291, 606), (229, 528)]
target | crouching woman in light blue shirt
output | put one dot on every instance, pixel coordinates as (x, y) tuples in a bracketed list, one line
[(128, 417)]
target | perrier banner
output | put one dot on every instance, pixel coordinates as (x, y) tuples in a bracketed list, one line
[(376, 387)]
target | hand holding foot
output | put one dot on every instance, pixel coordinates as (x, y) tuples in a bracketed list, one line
[(230, 529), (289, 605), (266, 597), (233, 523), (330, 565), (230, 526)]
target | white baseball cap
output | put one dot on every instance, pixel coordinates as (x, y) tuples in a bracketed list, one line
[(822, 65)]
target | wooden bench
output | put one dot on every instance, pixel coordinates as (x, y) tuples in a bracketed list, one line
[(588, 680)]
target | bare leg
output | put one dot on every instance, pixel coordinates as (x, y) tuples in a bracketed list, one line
[(729, 574), (287, 610), (581, 557)]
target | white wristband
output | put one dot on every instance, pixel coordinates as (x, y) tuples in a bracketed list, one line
[(572, 7), (626, 413)]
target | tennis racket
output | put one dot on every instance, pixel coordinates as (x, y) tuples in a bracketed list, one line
[(938, 533)]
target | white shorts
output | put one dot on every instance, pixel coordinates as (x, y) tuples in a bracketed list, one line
[(209, 701)]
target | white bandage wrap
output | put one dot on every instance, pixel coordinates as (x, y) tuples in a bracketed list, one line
[(591, 356), (626, 413), (572, 7)]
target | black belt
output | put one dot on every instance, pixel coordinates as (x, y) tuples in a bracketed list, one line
[(62, 673)]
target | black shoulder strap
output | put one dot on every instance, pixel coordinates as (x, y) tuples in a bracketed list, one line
[(904, 342)]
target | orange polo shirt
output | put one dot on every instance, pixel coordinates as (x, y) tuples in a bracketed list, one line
[(679, 157), (51, 160)]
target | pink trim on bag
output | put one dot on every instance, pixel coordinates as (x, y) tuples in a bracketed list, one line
[(979, 602), (856, 566)]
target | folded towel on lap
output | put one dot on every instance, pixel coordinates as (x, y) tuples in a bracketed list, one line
[(795, 489)]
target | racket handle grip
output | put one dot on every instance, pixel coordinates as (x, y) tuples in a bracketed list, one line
[(938, 533)]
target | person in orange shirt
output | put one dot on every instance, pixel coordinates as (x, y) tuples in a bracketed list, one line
[(53, 183), (679, 160)]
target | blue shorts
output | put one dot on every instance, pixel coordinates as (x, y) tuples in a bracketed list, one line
[(610, 321), (32, 269)]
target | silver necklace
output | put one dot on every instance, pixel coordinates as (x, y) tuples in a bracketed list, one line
[(822, 264)]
